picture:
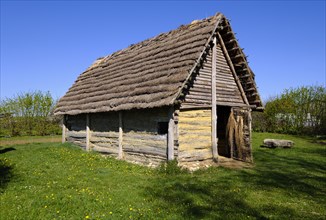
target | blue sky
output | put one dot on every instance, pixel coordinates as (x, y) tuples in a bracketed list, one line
[(45, 45)]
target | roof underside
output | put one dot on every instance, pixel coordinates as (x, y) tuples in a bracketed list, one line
[(154, 72)]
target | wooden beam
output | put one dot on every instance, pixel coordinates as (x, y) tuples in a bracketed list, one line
[(64, 129), (214, 115), (120, 152), (171, 135), (244, 97), (250, 136), (88, 133)]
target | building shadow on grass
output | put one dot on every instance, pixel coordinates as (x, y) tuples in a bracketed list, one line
[(6, 174), (7, 149), (193, 198), (221, 193), (6, 170), (295, 175)]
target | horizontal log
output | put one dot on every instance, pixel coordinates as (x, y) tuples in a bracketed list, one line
[(149, 161), (103, 139), (81, 134), (195, 155), (145, 150), (198, 112), (144, 136), (106, 145), (188, 146), (111, 134), (192, 133), (143, 157), (108, 150)]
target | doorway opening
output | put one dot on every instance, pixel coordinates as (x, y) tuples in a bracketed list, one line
[(223, 113)]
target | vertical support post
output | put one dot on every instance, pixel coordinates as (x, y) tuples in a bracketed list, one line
[(64, 129), (171, 135), (214, 115), (120, 152), (250, 127), (87, 133)]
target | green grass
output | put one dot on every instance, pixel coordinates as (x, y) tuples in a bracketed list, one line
[(55, 181)]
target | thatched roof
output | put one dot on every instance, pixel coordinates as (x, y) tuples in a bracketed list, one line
[(149, 74)]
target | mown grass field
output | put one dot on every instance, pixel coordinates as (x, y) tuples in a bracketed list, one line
[(55, 181)]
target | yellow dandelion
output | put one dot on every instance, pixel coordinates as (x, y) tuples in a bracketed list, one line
[(130, 209), (87, 216)]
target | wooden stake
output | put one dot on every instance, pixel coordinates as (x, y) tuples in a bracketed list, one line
[(171, 135), (87, 133), (120, 153), (214, 116), (250, 136), (243, 95), (64, 129)]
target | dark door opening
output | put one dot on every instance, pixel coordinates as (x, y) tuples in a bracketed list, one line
[(223, 113)]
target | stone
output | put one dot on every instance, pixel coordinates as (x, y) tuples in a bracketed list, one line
[(273, 143)]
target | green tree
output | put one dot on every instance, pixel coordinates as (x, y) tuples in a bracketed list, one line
[(27, 113), (299, 110)]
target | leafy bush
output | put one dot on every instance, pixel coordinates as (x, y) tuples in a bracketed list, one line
[(300, 110), (28, 113)]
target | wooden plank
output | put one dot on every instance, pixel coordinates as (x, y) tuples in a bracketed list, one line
[(244, 97), (120, 154), (104, 149), (110, 134), (76, 134), (88, 133), (64, 129), (214, 114), (198, 61), (171, 135)]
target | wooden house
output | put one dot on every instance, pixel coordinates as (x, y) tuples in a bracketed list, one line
[(185, 95)]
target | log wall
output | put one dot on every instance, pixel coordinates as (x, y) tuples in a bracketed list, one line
[(194, 135), (76, 129), (227, 91), (105, 132), (141, 142)]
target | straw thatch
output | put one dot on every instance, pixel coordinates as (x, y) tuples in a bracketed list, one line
[(149, 74)]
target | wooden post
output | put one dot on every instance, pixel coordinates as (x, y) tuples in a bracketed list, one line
[(171, 135), (214, 114), (64, 129), (87, 133), (120, 153), (243, 95), (250, 136)]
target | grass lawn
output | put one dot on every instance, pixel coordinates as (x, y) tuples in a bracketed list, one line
[(55, 181)]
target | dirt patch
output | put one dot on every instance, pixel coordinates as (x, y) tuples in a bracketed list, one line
[(28, 140)]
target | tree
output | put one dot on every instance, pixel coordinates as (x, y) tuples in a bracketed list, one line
[(27, 113), (299, 110)]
